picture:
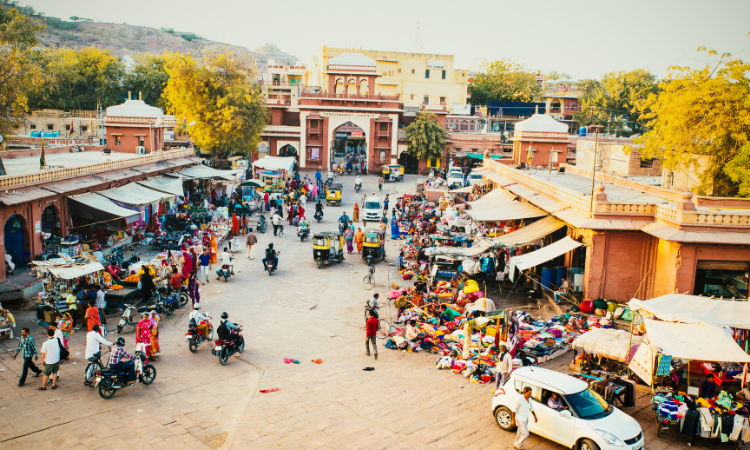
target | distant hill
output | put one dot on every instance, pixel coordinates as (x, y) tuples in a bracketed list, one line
[(124, 40)]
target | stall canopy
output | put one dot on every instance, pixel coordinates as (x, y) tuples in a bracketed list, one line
[(253, 183), (464, 190), (165, 184), (481, 156), (204, 172), (275, 163), (136, 195), (694, 341), (512, 211), (68, 273), (542, 255), (95, 207), (607, 343), (493, 199), (459, 252), (529, 233), (696, 309)]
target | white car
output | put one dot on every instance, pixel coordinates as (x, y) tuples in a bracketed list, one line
[(455, 181), (475, 178), (373, 209), (587, 423)]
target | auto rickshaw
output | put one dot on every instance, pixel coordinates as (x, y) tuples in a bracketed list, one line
[(393, 172), (333, 194), (328, 247), (374, 245)]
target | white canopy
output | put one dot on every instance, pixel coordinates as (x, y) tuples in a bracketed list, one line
[(136, 195), (104, 204), (459, 252), (513, 211), (204, 172), (68, 273), (493, 199), (696, 309), (529, 233), (694, 341), (542, 255), (464, 190), (275, 163), (166, 184), (607, 343)]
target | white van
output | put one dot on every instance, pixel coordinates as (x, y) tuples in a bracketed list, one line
[(373, 209)]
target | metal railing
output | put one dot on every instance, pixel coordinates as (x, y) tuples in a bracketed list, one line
[(328, 95)]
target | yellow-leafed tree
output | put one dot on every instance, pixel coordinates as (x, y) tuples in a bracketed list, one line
[(703, 115), (218, 93)]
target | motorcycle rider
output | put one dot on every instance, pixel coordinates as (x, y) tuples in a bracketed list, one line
[(226, 260), (319, 209), (270, 257), (116, 363), (358, 182), (303, 224), (201, 320), (226, 328), (345, 220)]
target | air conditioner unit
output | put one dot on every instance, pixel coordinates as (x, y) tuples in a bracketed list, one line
[(140, 150)]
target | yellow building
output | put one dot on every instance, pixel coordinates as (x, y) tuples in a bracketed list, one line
[(417, 77)]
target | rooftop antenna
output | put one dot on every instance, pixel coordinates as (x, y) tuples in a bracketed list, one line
[(417, 42)]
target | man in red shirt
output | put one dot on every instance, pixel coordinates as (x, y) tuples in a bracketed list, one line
[(372, 331), (175, 281)]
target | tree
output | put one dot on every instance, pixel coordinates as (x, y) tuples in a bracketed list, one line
[(555, 75), (18, 73), (78, 79), (425, 138), (503, 80), (217, 92), (149, 77), (611, 101), (701, 118)]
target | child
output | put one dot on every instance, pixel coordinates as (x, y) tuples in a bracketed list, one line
[(401, 264)]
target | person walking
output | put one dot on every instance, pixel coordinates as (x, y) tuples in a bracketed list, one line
[(380, 184), (504, 366), (205, 265), (27, 348), (194, 290), (522, 412), (277, 222), (372, 331), (250, 241), (51, 360), (359, 239)]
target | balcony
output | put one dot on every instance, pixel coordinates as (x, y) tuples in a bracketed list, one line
[(281, 129), (326, 95), (279, 85)]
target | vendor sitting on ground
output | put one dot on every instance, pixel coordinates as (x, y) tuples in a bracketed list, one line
[(448, 314), (555, 402), (707, 387)]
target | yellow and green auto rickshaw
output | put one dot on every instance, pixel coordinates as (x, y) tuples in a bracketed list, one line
[(393, 172), (328, 247), (374, 245), (333, 194)]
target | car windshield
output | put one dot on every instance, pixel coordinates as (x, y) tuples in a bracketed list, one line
[(475, 176), (320, 242), (371, 238), (588, 404), (372, 205)]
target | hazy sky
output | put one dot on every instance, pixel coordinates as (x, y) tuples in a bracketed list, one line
[(585, 38)]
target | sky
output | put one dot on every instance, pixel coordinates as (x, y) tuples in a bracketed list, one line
[(583, 38)]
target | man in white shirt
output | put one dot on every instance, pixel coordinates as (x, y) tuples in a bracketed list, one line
[(523, 411), (93, 339), (51, 359), (504, 366), (226, 259), (277, 222)]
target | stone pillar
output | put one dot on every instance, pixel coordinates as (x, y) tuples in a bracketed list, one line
[(686, 204)]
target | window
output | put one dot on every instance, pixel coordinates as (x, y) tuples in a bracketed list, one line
[(427, 73), (382, 156), (399, 70), (588, 405), (444, 74), (442, 100), (32, 126), (412, 96), (647, 163), (84, 128), (67, 127), (412, 71), (314, 124), (140, 141), (50, 127), (383, 126), (426, 99), (475, 150), (118, 140), (554, 157)]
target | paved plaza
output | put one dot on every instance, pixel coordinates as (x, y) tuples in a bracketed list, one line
[(300, 312)]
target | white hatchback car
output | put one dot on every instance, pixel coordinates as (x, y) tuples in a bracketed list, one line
[(588, 423)]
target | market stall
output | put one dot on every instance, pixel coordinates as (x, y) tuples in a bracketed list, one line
[(273, 171), (59, 278)]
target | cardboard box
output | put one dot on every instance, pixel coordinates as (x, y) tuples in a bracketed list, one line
[(49, 316)]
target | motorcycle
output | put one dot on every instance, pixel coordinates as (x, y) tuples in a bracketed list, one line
[(262, 224), (357, 187), (303, 233), (342, 226), (226, 348), (130, 261), (110, 380), (349, 170), (318, 215), (127, 316), (167, 304), (225, 272), (195, 337), (272, 268)]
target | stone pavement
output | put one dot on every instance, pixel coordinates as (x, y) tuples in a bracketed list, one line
[(300, 312)]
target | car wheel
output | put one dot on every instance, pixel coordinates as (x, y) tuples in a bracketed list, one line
[(588, 444), (504, 418)]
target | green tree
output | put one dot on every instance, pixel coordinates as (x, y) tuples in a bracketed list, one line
[(218, 93), (611, 101), (149, 77), (555, 75), (503, 80), (700, 121), (425, 138), (77, 79), (18, 72)]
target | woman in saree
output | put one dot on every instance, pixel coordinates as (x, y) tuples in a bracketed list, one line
[(214, 248), (143, 333), (348, 238), (359, 239), (355, 214), (155, 348), (395, 232), (66, 326)]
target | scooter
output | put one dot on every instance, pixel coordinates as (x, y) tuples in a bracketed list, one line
[(110, 380), (224, 349), (318, 215), (127, 316), (262, 224), (225, 271), (303, 233), (357, 187), (195, 337)]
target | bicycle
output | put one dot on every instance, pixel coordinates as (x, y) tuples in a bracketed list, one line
[(385, 329), (369, 279)]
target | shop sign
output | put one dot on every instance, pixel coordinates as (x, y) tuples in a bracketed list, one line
[(356, 115), (263, 147), (38, 226), (315, 153)]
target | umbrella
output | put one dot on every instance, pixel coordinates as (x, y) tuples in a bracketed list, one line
[(254, 182)]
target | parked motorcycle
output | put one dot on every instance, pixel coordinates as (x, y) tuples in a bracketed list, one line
[(127, 316), (225, 272), (224, 349), (167, 303), (194, 336), (318, 215), (110, 380), (130, 261), (303, 233)]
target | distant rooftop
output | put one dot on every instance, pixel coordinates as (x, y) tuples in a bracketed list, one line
[(352, 59), (541, 123), (134, 108), (28, 165)]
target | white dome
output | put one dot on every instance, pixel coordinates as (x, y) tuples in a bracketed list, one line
[(542, 123), (352, 59), (134, 108)]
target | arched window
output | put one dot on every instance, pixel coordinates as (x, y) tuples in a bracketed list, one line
[(364, 89), (464, 125), (339, 86), (351, 87), (471, 125)]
